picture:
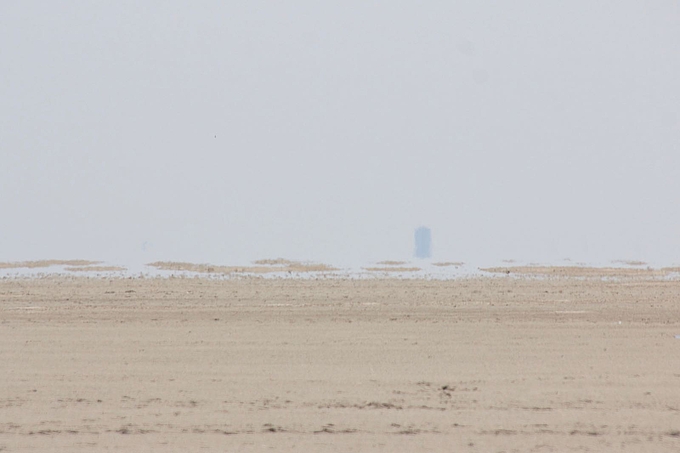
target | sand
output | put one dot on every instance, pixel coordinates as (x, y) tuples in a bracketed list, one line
[(253, 364), (261, 267), (46, 263), (593, 272), (95, 269), (392, 269)]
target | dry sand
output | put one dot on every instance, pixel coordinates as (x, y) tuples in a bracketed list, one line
[(392, 269), (261, 267), (46, 263), (590, 272), (95, 269), (488, 364)]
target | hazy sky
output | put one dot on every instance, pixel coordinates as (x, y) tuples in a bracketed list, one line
[(230, 131)]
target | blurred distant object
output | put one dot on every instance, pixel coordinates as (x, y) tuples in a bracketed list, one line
[(423, 238)]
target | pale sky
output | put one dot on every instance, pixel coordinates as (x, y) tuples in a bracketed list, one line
[(224, 132)]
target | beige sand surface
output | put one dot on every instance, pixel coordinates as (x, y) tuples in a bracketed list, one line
[(592, 272), (261, 267), (479, 365), (631, 262), (392, 269), (95, 269), (46, 263)]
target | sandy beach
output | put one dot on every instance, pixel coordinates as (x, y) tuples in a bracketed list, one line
[(565, 362)]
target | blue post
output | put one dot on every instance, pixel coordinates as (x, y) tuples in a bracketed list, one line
[(423, 238)]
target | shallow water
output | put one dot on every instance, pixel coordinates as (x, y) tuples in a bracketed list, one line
[(426, 269)]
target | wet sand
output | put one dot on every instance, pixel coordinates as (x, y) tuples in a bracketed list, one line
[(252, 364)]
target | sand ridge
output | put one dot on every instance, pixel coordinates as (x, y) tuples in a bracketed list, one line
[(260, 267), (46, 263), (95, 269), (448, 263), (392, 269), (584, 271)]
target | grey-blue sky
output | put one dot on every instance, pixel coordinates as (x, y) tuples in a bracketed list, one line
[(229, 131)]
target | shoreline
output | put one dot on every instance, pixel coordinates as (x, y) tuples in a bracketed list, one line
[(286, 269)]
